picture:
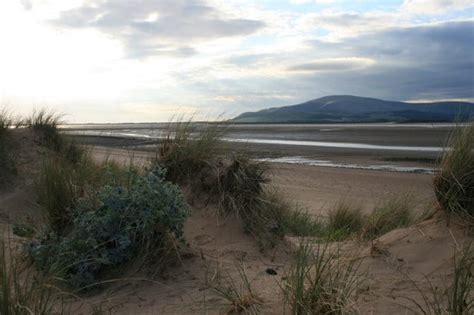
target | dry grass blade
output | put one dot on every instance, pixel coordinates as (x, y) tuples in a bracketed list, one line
[(240, 296), (393, 213), (454, 183), (188, 148), (456, 297), (24, 292), (344, 220), (320, 281)]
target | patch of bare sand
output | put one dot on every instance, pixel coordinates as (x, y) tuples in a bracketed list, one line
[(319, 188), (214, 252), (393, 265)]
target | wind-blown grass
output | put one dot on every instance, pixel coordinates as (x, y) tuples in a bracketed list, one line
[(454, 182), (393, 213), (189, 148), (456, 297), (115, 225), (239, 294), (45, 125), (320, 281), (24, 292), (344, 220)]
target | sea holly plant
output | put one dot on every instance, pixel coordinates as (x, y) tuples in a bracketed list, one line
[(117, 226)]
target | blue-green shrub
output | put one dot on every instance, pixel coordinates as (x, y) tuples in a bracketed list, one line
[(118, 226)]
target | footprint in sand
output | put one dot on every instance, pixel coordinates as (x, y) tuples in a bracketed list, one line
[(203, 239)]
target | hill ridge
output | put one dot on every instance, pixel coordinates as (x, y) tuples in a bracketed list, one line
[(349, 108)]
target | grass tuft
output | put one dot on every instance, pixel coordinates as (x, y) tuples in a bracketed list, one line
[(344, 220), (23, 292), (241, 298), (189, 148), (454, 182), (58, 190), (239, 184), (45, 124), (457, 297), (320, 282), (393, 213)]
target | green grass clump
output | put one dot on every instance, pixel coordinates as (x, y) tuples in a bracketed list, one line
[(189, 148), (454, 182), (298, 222), (58, 191), (394, 213), (240, 184), (45, 125), (115, 226), (344, 220), (320, 282)]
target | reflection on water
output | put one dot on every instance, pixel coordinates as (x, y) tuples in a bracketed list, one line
[(305, 161), (343, 145), (327, 144)]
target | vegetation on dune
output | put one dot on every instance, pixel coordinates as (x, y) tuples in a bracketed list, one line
[(344, 220), (195, 154), (238, 184), (189, 148), (320, 281), (45, 123), (7, 158), (239, 294), (393, 213), (456, 297), (454, 182), (114, 226), (24, 292)]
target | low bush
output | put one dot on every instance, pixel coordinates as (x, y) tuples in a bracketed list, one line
[(320, 282), (239, 185), (454, 182), (115, 227), (394, 213)]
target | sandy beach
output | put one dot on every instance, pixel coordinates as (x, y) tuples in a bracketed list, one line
[(318, 188)]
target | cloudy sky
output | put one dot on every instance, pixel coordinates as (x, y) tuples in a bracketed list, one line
[(147, 60)]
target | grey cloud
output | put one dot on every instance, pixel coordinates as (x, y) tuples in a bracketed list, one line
[(431, 61), (330, 65), (419, 62), (176, 22)]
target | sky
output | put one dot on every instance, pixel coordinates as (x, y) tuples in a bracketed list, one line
[(151, 60)]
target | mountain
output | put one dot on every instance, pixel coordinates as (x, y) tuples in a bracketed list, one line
[(355, 109)]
